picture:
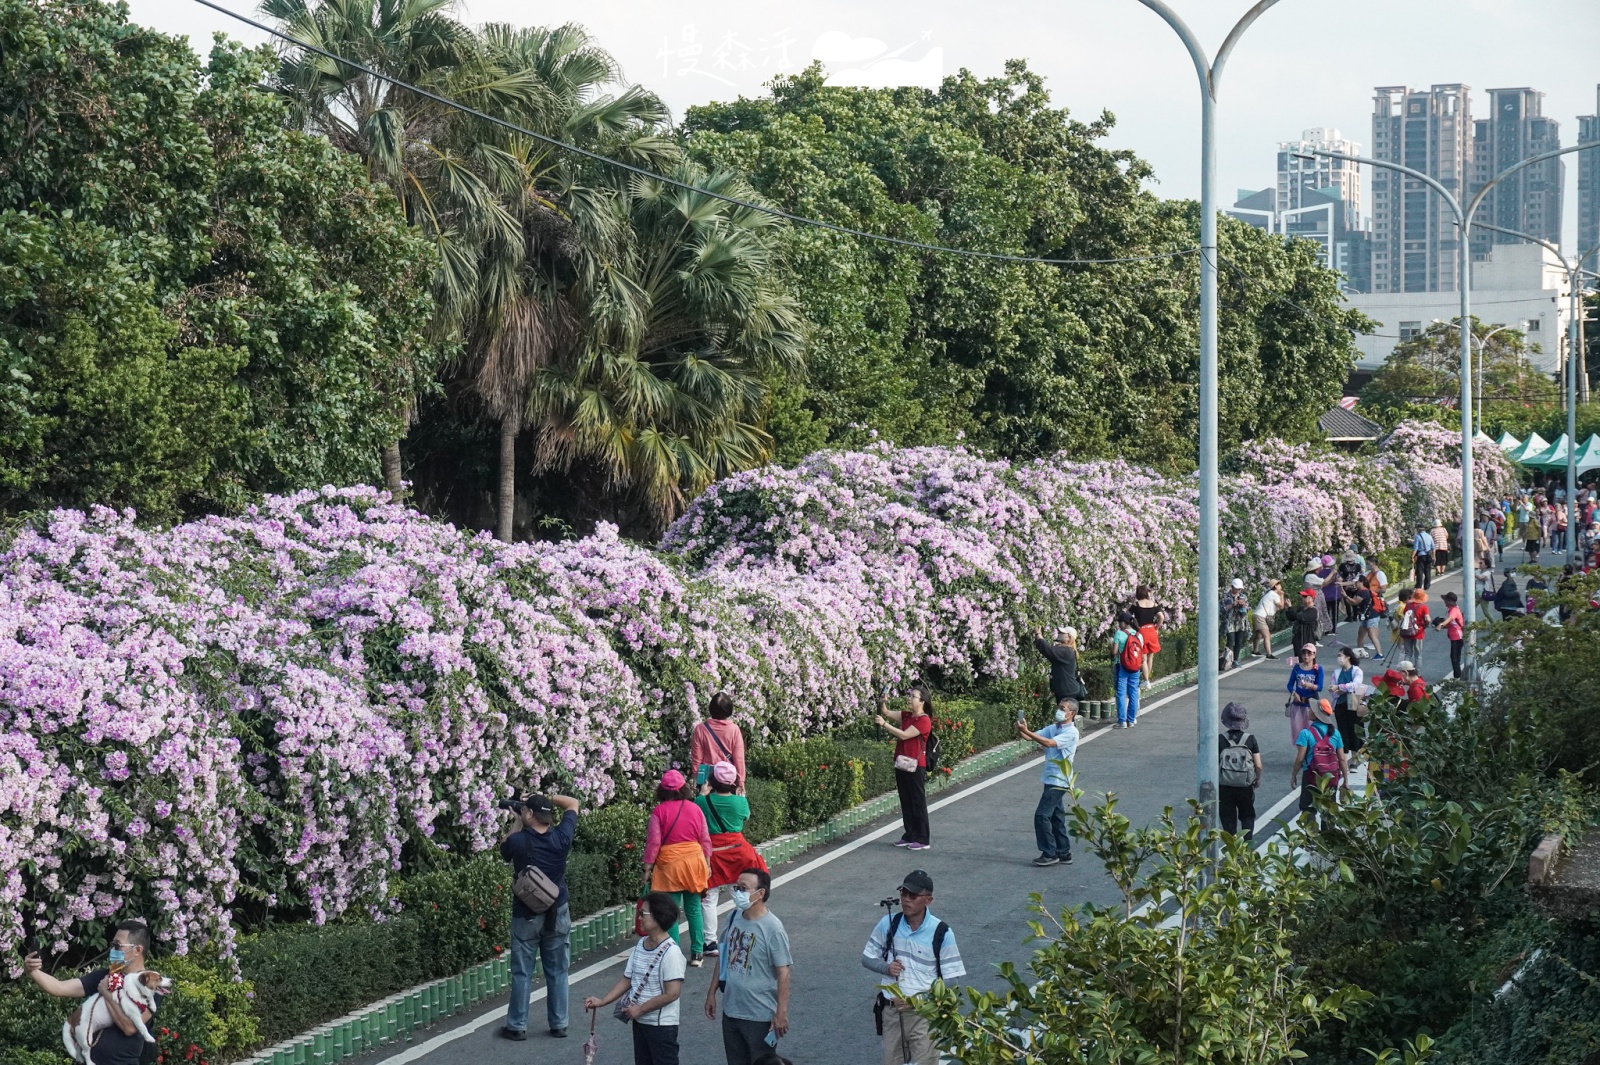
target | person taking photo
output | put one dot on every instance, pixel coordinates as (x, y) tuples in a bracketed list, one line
[(119, 1043), (1060, 743), (536, 840), (910, 729)]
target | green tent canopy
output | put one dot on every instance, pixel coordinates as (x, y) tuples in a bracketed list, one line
[(1528, 448), (1588, 457), (1508, 442), (1553, 457)]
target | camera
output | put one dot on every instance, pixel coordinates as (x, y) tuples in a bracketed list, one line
[(889, 903), (513, 804)]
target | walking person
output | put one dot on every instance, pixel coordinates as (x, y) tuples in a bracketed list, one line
[(1149, 618), (1533, 533), (753, 973), (717, 739), (1065, 683), (651, 984), (1128, 656), (1422, 557), (536, 841), (1235, 620), (1441, 547), (677, 855), (1414, 621), (731, 854), (1307, 624), (913, 948), (910, 730), (1060, 743), (1239, 773), (118, 1043), (1305, 688), (1261, 618), (1454, 624), (1320, 759), (1350, 686), (1508, 598)]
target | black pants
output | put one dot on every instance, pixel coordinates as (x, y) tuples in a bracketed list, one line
[(1423, 570), (744, 1041), (1236, 809), (1455, 658), (1349, 725), (913, 788), (655, 1044), (1236, 642)]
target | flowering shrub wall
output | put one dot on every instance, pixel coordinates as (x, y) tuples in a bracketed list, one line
[(278, 712)]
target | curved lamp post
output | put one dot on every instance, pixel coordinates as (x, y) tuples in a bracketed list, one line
[(1209, 597), (1463, 215), (1574, 357)]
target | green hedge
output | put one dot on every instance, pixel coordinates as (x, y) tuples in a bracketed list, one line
[(819, 778), (769, 809)]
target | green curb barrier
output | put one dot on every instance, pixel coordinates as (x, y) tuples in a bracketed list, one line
[(398, 1017)]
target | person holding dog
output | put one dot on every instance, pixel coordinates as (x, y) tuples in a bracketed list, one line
[(120, 1042)]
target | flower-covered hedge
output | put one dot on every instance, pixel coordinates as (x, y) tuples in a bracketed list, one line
[(278, 713)]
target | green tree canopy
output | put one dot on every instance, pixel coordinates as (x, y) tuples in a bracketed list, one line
[(1421, 378), (1022, 358), (195, 304)]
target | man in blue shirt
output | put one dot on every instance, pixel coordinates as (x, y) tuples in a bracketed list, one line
[(913, 948), (1060, 743), (536, 840), (1422, 556)]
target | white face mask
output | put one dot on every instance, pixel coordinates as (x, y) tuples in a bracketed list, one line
[(741, 899), (1061, 717)]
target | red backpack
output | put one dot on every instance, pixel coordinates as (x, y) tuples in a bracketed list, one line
[(1133, 653)]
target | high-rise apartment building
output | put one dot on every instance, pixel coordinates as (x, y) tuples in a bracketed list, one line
[(1589, 186), (1299, 175), (1414, 237), (1528, 200)]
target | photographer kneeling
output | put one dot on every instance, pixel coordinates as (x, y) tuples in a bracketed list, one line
[(537, 850)]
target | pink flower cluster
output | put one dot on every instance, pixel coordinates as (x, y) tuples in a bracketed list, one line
[(282, 710)]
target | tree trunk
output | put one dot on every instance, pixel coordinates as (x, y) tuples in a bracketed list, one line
[(391, 470), (507, 503)]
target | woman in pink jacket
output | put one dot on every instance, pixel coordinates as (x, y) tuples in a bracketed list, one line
[(677, 854)]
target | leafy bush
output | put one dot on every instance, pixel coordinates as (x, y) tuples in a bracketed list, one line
[(10, 1055), (208, 1011), (461, 915), (769, 809), (820, 779), (995, 723), (590, 887), (30, 1023), (615, 833), (876, 761)]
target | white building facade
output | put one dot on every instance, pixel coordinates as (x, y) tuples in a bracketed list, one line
[(1521, 285)]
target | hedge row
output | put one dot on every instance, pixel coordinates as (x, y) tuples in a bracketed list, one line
[(298, 976)]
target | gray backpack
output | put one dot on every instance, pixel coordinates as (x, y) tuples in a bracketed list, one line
[(1238, 764)]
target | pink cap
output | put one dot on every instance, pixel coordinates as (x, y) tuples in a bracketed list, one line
[(672, 780), (724, 773)]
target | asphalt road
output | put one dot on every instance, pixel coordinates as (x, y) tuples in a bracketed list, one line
[(980, 862)]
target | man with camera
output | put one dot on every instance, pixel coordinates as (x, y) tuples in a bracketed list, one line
[(537, 849), (912, 948)]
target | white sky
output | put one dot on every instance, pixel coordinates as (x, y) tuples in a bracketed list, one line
[(1303, 64)]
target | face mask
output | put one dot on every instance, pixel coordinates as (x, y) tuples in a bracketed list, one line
[(1061, 717), (116, 956), (741, 900)]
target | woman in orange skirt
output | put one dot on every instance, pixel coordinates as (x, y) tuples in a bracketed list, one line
[(731, 854), (1149, 617), (677, 854)]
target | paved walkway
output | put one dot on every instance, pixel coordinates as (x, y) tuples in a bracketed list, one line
[(980, 863)]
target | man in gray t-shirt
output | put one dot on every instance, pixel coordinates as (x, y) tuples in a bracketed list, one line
[(752, 972)]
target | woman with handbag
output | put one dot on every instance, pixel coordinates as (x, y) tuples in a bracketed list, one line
[(717, 739), (647, 995), (1348, 710), (910, 730), (731, 853), (677, 854)]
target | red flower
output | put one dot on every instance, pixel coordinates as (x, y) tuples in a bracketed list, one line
[(822, 767)]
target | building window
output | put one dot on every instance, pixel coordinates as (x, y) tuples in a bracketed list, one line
[(1409, 329), (1533, 325)]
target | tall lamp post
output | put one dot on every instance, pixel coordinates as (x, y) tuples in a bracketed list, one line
[(1463, 215), (1574, 359), (1483, 343), (1210, 598)]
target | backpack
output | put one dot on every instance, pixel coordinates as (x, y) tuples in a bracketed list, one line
[(1132, 657), (1324, 757), (535, 890), (940, 930), (1380, 605), (1238, 764), (1408, 623), (930, 750)]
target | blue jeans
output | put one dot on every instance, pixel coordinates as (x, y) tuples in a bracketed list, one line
[(550, 933), (1127, 695), (1050, 823)]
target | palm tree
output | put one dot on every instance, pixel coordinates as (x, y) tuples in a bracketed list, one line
[(669, 390)]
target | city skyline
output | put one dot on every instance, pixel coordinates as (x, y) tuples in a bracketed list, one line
[(1094, 54)]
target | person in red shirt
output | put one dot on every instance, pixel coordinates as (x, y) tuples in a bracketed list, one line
[(1454, 626), (1414, 624), (910, 730), (1415, 688)]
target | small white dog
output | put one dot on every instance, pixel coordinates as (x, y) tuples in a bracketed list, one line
[(134, 990)]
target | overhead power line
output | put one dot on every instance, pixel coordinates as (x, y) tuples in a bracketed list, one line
[(675, 182)]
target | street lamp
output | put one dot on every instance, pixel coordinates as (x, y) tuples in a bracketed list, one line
[(1483, 343), (1574, 357), (1210, 597), (1469, 603)]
